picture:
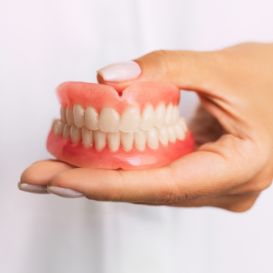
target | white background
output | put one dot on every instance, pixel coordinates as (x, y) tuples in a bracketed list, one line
[(45, 42)]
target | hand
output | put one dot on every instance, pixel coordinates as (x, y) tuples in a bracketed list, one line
[(234, 128)]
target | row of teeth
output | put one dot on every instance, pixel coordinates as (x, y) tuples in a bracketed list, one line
[(126, 140), (108, 120)]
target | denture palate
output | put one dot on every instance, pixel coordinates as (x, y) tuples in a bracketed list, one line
[(130, 129)]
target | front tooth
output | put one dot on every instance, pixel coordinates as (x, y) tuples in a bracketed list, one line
[(69, 116), (140, 140), (113, 141), (147, 121), (152, 139), (175, 115), (91, 118), (109, 120), (66, 131), (171, 134), (74, 134), (100, 140), (78, 113), (58, 126), (87, 138), (63, 113), (130, 119), (163, 136), (179, 131), (160, 115), (127, 140), (168, 115)]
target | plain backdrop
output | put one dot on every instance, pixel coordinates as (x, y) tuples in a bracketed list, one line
[(46, 42)]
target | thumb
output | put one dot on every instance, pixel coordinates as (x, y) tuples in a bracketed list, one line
[(188, 70)]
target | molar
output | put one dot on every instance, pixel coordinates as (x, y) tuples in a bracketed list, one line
[(69, 116), (130, 120), (91, 118), (179, 131), (109, 120), (66, 131), (58, 127), (78, 113), (63, 114)]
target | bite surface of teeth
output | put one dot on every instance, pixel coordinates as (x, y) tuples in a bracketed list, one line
[(66, 131), (75, 134), (127, 140), (148, 118), (140, 140), (171, 134), (130, 119), (109, 120), (113, 141), (69, 116), (91, 118), (58, 126), (87, 138), (78, 113), (163, 136), (99, 140), (160, 112), (152, 139)]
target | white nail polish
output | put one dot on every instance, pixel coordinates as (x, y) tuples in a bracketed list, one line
[(32, 188), (120, 71), (64, 192)]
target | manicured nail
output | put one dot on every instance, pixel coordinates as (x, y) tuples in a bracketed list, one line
[(64, 192), (32, 188), (120, 71)]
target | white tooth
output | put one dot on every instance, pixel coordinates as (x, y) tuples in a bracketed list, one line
[(66, 131), (163, 136), (130, 119), (148, 119), (168, 115), (171, 134), (179, 131), (58, 126), (160, 115), (78, 113), (63, 113), (109, 120), (91, 118), (175, 115), (113, 141), (152, 139), (183, 124), (87, 138), (75, 134), (69, 116), (140, 140), (100, 140), (127, 140)]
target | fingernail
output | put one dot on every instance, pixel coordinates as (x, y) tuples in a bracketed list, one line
[(32, 188), (64, 192), (120, 71)]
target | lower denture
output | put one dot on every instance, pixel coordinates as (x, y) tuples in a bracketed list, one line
[(119, 130)]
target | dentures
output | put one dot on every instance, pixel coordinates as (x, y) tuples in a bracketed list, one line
[(101, 128)]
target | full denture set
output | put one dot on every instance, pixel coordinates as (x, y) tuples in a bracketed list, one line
[(138, 127)]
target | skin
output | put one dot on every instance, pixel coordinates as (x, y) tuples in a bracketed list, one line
[(233, 128)]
